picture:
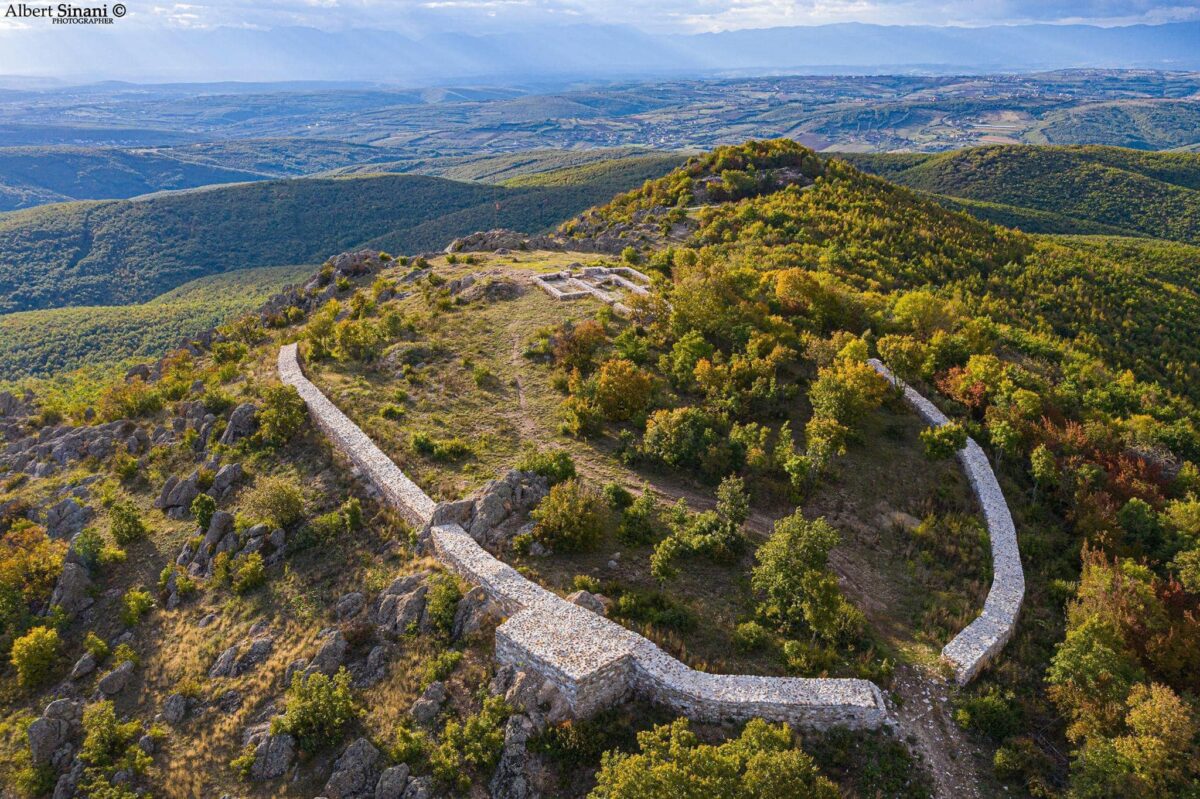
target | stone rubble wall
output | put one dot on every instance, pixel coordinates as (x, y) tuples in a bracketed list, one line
[(593, 661), (982, 639), (402, 493)]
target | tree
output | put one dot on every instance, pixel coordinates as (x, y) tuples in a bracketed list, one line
[(802, 594), (570, 518), (846, 391), (942, 441), (576, 345), (762, 763), (1090, 677), (34, 655), (126, 523), (687, 351), (622, 389), (281, 416), (904, 355), (318, 710)]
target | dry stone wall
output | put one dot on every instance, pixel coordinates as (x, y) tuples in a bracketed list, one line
[(593, 661), (982, 639)]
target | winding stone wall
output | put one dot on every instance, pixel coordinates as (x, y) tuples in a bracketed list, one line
[(982, 639), (593, 661)]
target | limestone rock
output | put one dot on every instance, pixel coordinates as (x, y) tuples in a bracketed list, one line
[(330, 656), (175, 709), (586, 599), (355, 773), (242, 422), (392, 782), (84, 666), (429, 703), (67, 518), (115, 681), (273, 756), (71, 592), (223, 665), (349, 605)]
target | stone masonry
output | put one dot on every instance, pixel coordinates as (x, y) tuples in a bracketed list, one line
[(594, 662), (982, 640)]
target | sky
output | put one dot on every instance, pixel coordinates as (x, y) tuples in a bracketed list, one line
[(657, 16)]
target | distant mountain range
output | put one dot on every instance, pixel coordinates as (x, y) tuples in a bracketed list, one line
[(295, 53)]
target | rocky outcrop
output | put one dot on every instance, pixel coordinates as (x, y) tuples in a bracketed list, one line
[(499, 509), (243, 421), (116, 680), (55, 447), (356, 772), (73, 591), (67, 517), (50, 734), (510, 780), (273, 754)]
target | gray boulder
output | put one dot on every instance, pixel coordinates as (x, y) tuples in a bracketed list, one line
[(254, 655), (355, 773), (349, 605), (273, 756), (399, 614), (419, 788), (72, 591), (510, 780), (242, 422), (175, 709), (330, 656), (392, 782), (223, 665), (83, 667), (46, 735), (66, 518), (427, 706), (115, 681)]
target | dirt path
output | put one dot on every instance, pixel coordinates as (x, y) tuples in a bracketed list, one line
[(924, 715)]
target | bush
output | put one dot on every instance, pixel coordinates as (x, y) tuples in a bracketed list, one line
[(275, 500), (762, 762), (996, 715), (555, 465), (203, 508), (616, 496), (126, 523), (440, 666), (440, 449), (581, 418), (280, 415), (686, 438), (318, 710), (577, 344), (622, 389), (441, 602), (640, 523), (110, 745), (34, 655), (96, 646), (750, 636), (942, 441), (476, 742), (135, 605), (328, 527), (248, 572), (570, 518)]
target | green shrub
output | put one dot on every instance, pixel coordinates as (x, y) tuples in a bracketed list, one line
[(96, 645), (110, 745), (124, 653), (750, 636), (328, 527), (762, 762), (34, 655), (556, 465), (135, 604), (475, 743), (318, 710), (441, 602), (126, 523), (124, 466), (87, 546), (248, 572), (942, 441), (409, 746), (392, 412), (616, 496), (639, 522), (203, 508), (275, 500), (244, 762), (992, 713), (280, 416), (440, 666), (440, 449), (570, 518)]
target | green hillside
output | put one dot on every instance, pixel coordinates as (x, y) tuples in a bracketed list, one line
[(32, 176), (1087, 189), (119, 252), (42, 343)]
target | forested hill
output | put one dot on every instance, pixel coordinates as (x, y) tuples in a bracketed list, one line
[(125, 251), (1059, 189)]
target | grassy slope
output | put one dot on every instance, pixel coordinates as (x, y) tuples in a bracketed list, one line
[(119, 252), (1083, 189), (40, 343)]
